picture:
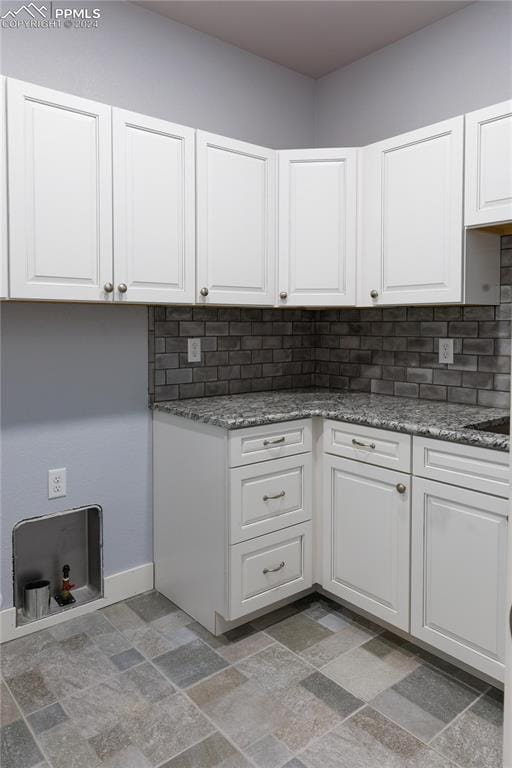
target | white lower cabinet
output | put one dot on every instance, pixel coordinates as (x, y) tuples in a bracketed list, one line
[(246, 518), (366, 537), (458, 573), (232, 535)]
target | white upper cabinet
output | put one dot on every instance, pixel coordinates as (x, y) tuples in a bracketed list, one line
[(488, 191), (60, 195), (317, 227), (4, 286), (411, 217), (154, 209), (236, 202)]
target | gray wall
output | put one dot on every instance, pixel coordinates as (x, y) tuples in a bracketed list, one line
[(86, 409), (140, 60), (74, 395), (456, 65)]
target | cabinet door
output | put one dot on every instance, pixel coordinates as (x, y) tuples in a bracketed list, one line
[(235, 221), (366, 537), (4, 288), (154, 209), (411, 221), (60, 195), (317, 227), (488, 190), (459, 573)]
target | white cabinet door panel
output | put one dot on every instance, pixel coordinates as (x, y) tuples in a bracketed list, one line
[(60, 194), (411, 221), (154, 209), (366, 537), (488, 190), (4, 284), (236, 188), (317, 227), (458, 578)]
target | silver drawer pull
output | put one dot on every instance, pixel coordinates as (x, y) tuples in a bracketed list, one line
[(277, 496), (363, 445), (274, 442), (277, 568)]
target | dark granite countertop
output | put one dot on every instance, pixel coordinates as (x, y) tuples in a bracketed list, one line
[(444, 421)]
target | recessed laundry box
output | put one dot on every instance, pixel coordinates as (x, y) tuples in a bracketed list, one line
[(63, 549)]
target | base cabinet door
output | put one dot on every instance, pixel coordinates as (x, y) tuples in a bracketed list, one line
[(154, 209), (317, 227), (410, 248), (4, 287), (60, 195), (366, 526), (488, 165), (459, 573), (236, 189)]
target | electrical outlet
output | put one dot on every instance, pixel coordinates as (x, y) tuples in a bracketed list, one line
[(194, 350), (446, 351), (56, 483)]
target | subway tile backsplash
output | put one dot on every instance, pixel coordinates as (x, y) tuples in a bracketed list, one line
[(389, 350)]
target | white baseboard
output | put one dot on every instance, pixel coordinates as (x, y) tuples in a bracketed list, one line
[(117, 587)]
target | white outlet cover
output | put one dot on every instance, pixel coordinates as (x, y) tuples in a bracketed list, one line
[(57, 483), (446, 351), (194, 350)]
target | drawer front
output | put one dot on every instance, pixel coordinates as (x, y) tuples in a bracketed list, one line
[(273, 441), (479, 469), (374, 446), (269, 568), (269, 496)]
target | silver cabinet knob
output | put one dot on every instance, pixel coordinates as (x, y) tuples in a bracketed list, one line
[(283, 295), (204, 291), (401, 488), (122, 287), (108, 287), (374, 294)]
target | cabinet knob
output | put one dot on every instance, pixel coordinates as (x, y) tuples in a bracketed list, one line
[(401, 488), (204, 291), (122, 287), (374, 294), (108, 287), (283, 295)]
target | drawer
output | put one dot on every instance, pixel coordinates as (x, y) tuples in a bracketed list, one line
[(479, 469), (269, 496), (374, 446), (273, 441), (269, 568)]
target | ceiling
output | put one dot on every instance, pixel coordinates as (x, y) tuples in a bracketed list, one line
[(313, 37)]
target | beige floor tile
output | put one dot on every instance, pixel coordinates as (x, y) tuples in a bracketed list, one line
[(274, 668), (371, 668)]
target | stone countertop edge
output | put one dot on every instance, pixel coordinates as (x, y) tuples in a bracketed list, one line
[(424, 418)]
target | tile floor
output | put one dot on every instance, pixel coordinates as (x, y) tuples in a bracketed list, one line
[(140, 685)]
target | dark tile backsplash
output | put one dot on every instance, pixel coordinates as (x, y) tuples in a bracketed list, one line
[(389, 350)]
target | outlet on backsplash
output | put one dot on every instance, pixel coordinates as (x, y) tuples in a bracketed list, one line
[(446, 351)]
